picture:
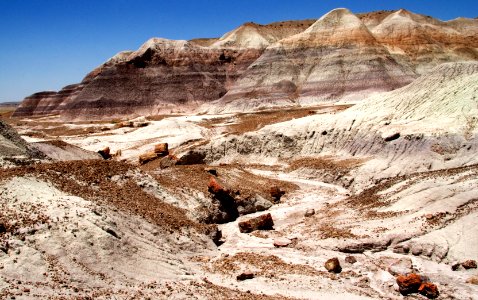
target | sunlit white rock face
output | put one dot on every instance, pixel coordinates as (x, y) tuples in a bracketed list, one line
[(429, 124), (341, 56)]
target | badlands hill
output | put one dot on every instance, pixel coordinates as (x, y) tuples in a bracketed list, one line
[(340, 56), (427, 125), (387, 187)]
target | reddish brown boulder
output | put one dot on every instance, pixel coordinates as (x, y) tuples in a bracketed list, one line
[(161, 149), (276, 193), (409, 284), (333, 265), (263, 222), (469, 264), (224, 200), (147, 157), (429, 290), (105, 153), (216, 187), (245, 275)]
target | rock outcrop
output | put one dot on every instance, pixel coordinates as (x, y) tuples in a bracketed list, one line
[(14, 149)]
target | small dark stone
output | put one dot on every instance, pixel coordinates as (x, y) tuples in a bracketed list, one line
[(245, 275), (309, 213), (212, 171), (392, 137), (455, 266), (113, 233), (105, 153)]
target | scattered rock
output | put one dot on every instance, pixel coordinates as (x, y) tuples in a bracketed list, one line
[(206, 280), (350, 259), (226, 205), (245, 275), (251, 204), (4, 247), (123, 124), (428, 216), (105, 153), (167, 161), (401, 249), (281, 242), (309, 213), (409, 284), (147, 157), (391, 137), (360, 247), (333, 265), (140, 124), (215, 234), (161, 149), (118, 153), (429, 290), (215, 186), (469, 264), (401, 266), (263, 222), (276, 193), (455, 266), (3, 228), (192, 157), (113, 233), (211, 171), (416, 249), (472, 280)]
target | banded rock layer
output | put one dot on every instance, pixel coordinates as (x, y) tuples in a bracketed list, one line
[(344, 57), (340, 56)]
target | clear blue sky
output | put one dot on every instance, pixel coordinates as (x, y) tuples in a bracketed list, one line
[(47, 44)]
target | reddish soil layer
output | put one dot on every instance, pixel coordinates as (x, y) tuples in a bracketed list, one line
[(92, 180)]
